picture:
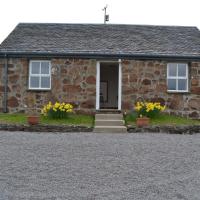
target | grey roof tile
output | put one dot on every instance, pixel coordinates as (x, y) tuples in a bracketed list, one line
[(109, 39)]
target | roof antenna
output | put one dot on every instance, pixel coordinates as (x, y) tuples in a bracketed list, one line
[(106, 17)]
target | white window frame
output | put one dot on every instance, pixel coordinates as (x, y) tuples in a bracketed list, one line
[(39, 75), (178, 78)]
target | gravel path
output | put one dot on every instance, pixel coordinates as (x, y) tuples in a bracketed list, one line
[(90, 166)]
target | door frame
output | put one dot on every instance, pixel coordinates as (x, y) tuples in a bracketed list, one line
[(98, 64)]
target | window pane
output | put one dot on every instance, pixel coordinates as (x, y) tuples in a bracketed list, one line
[(44, 67), (182, 70), (171, 84), (34, 82), (182, 84), (45, 82), (172, 69), (35, 67)]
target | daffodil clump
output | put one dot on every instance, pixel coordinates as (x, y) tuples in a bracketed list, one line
[(57, 110), (149, 109)]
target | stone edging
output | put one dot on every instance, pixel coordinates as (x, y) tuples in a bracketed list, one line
[(45, 128), (190, 129)]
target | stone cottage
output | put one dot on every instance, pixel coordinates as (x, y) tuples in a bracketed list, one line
[(98, 66)]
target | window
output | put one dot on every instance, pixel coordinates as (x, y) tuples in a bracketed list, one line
[(177, 77), (40, 75)]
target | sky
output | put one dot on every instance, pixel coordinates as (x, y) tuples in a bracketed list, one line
[(151, 12)]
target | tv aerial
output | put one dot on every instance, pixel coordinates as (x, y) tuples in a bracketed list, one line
[(106, 17)]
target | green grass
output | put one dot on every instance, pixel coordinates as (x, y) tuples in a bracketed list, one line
[(163, 119), (13, 118), (74, 119), (87, 120)]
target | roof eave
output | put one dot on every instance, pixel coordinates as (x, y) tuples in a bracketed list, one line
[(99, 56)]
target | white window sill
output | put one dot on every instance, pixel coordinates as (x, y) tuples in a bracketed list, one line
[(177, 91), (39, 89)]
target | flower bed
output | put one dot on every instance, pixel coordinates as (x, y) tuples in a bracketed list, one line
[(57, 110), (148, 109), (72, 120)]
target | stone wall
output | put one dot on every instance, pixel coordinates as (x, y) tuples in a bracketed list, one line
[(1, 83), (73, 80), (44, 128), (147, 80)]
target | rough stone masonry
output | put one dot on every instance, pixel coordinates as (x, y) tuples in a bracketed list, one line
[(74, 81)]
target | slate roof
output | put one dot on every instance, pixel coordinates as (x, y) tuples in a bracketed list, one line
[(101, 39)]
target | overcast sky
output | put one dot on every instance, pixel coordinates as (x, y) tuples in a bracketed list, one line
[(155, 12)]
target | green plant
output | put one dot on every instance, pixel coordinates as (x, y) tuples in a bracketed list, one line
[(130, 117), (148, 109), (57, 110)]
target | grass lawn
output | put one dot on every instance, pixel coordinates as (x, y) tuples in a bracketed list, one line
[(74, 119), (163, 119)]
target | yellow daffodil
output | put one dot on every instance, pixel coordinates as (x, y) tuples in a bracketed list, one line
[(148, 108), (57, 110)]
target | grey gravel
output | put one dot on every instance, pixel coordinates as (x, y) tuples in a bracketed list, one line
[(91, 166)]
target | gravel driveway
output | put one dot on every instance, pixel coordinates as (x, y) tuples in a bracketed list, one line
[(90, 166)]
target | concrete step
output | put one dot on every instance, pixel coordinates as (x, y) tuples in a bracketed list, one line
[(108, 117), (110, 129), (108, 111), (109, 122)]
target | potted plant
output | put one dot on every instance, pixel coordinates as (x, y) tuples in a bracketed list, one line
[(33, 117), (147, 110), (142, 121)]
